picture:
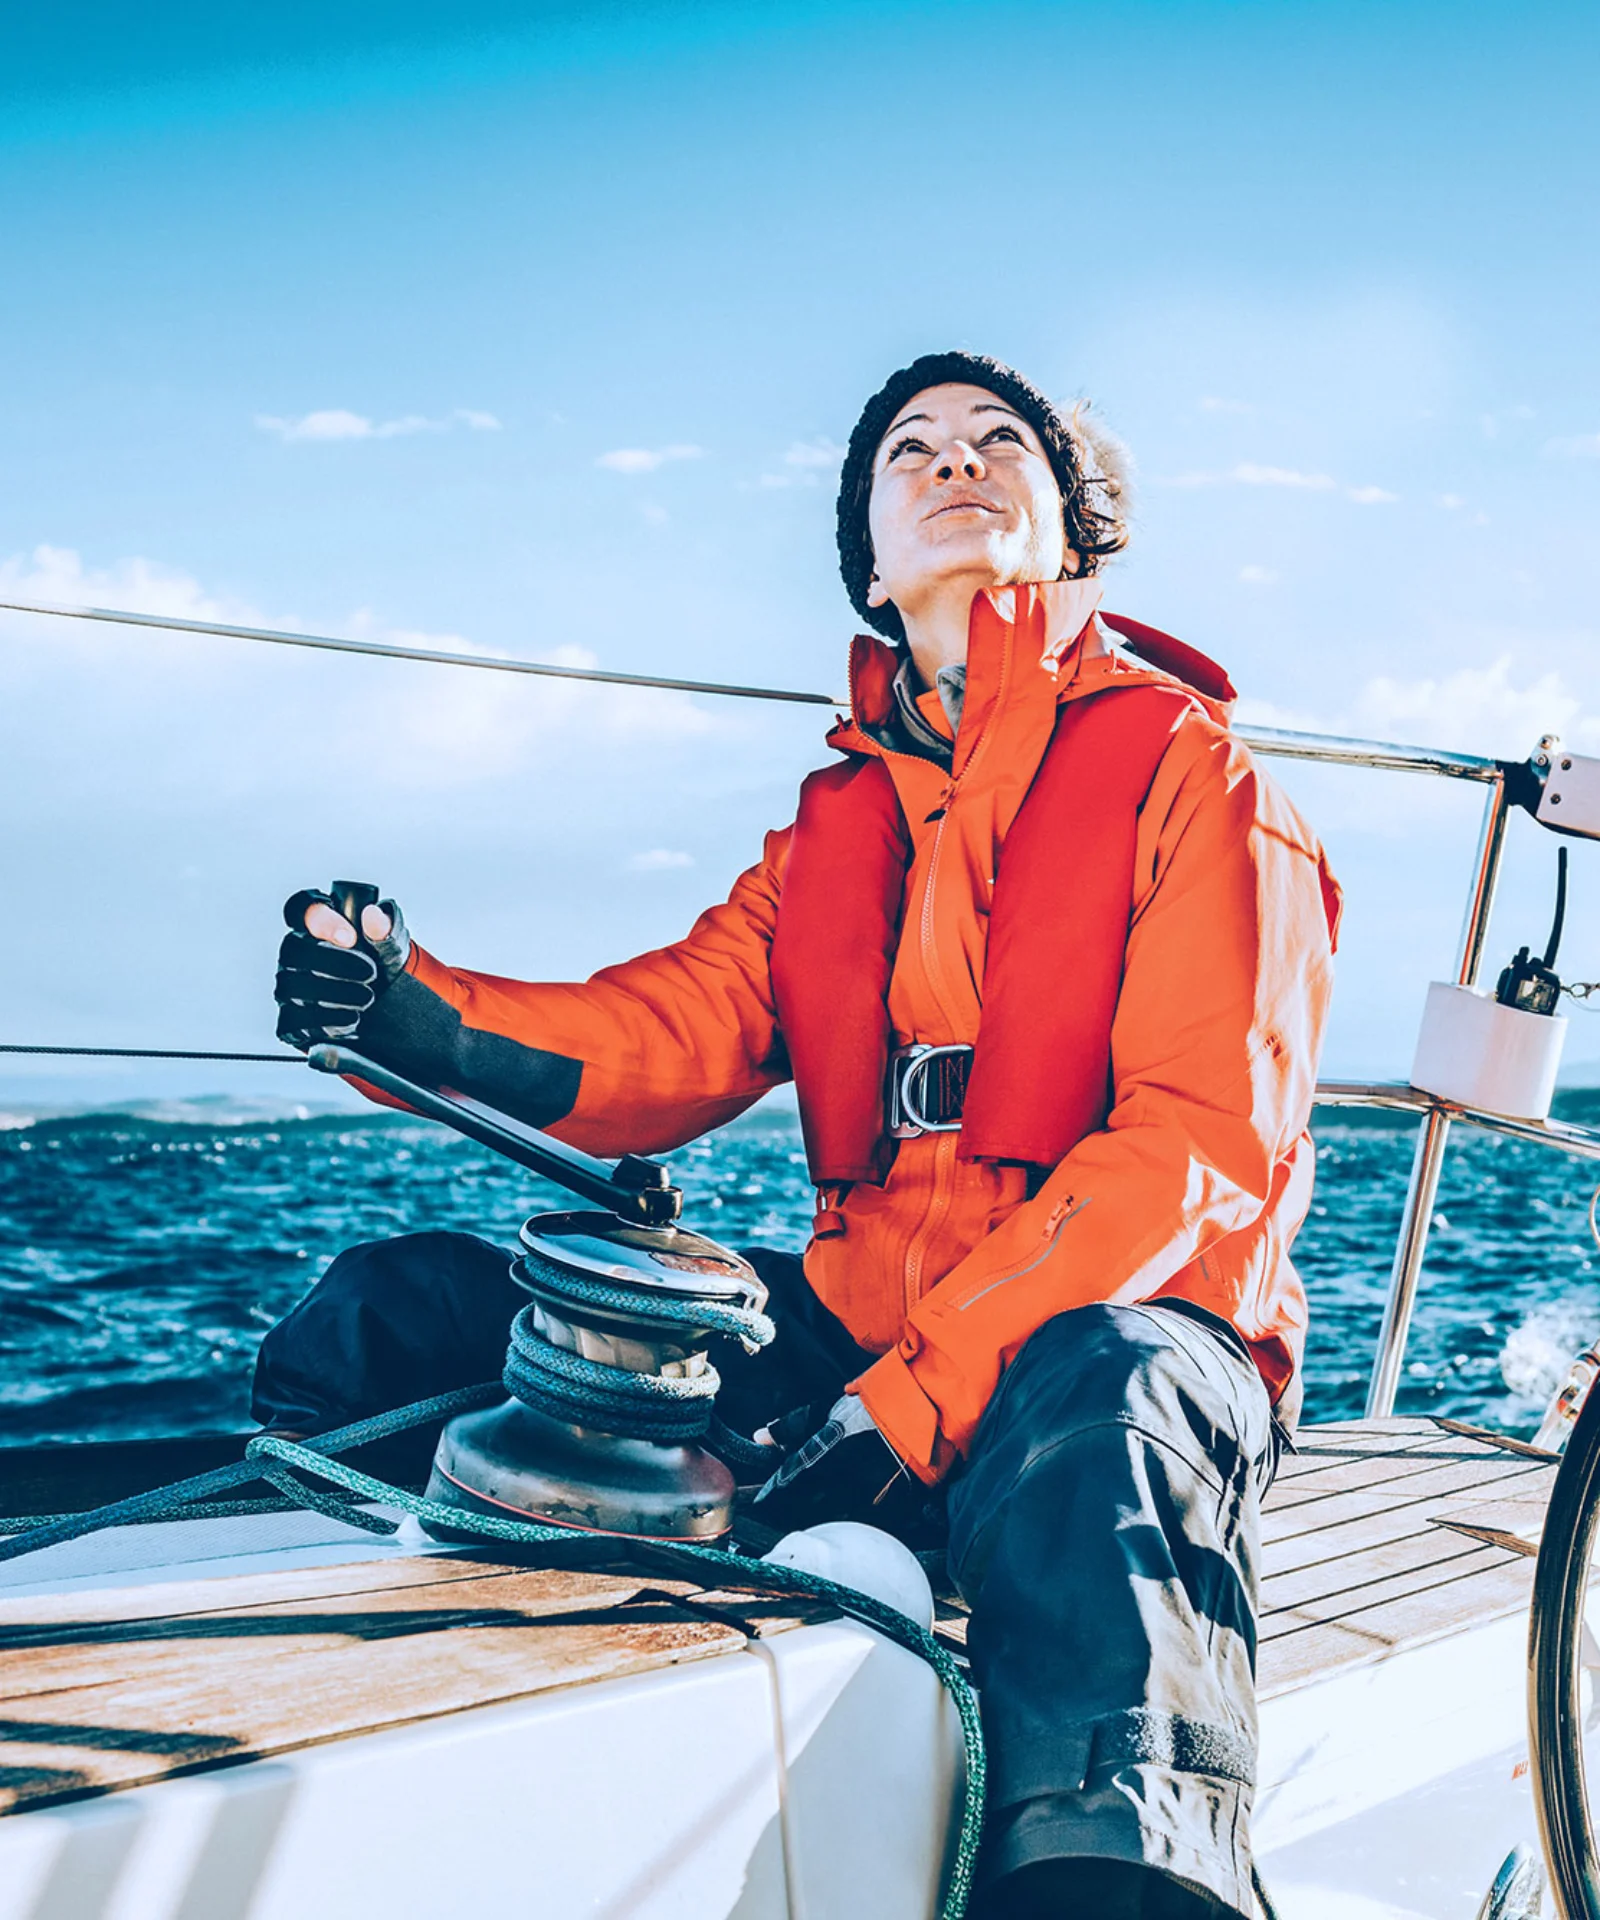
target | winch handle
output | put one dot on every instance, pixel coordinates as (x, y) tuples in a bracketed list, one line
[(636, 1189)]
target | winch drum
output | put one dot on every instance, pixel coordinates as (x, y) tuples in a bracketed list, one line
[(627, 1298)]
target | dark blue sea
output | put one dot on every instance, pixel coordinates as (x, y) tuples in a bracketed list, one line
[(142, 1255)]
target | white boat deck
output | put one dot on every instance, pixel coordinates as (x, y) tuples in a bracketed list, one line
[(1396, 1571)]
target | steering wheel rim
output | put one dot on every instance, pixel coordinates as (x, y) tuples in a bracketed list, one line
[(1555, 1650)]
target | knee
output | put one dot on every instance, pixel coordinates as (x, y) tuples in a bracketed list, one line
[(1088, 1368), (1100, 1388), (431, 1263), (1152, 1368)]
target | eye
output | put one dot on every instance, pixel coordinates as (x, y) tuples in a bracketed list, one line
[(910, 444), (1001, 433)]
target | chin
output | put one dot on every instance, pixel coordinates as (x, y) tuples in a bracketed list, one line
[(974, 549)]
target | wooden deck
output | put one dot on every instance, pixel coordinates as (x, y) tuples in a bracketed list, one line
[(122, 1687), (1378, 1536)]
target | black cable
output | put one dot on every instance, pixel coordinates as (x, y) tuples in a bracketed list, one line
[(163, 1053), (1552, 946)]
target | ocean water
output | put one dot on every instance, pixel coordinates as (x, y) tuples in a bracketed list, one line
[(143, 1254)]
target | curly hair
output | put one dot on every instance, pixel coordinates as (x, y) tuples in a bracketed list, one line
[(1088, 463)]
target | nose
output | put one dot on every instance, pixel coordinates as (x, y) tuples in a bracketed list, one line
[(959, 460)]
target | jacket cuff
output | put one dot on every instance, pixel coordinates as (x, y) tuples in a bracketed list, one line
[(421, 965), (905, 1416)]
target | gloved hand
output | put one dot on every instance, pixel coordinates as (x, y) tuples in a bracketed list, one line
[(844, 1470), (328, 974)]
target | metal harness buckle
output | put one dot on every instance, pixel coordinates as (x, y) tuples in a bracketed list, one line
[(927, 1089)]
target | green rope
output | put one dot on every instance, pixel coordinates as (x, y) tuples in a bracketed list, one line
[(200, 1510), (746, 1324), (175, 1502), (286, 1463)]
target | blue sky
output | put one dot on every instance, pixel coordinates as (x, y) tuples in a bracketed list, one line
[(537, 329)]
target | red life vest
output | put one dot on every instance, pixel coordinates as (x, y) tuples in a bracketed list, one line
[(1058, 928)]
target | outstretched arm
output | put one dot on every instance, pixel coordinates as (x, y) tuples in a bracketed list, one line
[(638, 1059)]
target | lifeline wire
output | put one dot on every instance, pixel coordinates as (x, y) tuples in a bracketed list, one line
[(162, 1053), (281, 1462), (433, 655)]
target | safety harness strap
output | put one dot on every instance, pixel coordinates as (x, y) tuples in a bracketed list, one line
[(1040, 1077)]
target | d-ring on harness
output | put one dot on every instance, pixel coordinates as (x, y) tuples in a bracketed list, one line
[(927, 1089)]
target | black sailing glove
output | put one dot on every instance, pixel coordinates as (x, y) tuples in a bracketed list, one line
[(322, 990), (845, 1470), (361, 992)]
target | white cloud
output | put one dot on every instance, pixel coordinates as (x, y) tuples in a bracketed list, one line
[(1492, 422), (647, 459), (334, 423), (460, 728), (1472, 710), (1475, 709), (1451, 502), (1254, 576), (658, 860), (808, 463), (1250, 475), (57, 576), (338, 423), (175, 772), (1213, 403), (446, 728), (654, 515), (1575, 446), (814, 453)]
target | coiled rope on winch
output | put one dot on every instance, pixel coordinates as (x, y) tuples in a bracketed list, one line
[(284, 1464), (673, 1409)]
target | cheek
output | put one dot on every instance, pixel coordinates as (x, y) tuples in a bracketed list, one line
[(885, 520), (1049, 524)]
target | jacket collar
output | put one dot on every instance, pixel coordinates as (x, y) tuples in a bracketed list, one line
[(1049, 628)]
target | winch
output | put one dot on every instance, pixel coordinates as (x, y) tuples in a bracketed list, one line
[(610, 1385)]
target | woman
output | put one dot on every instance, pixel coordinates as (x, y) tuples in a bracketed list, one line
[(1047, 1297)]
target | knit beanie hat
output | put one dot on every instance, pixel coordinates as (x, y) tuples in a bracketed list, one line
[(1085, 464)]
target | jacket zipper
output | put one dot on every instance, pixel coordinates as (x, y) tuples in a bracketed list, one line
[(928, 1228), (930, 967), (945, 1144)]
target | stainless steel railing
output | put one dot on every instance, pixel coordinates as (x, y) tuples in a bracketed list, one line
[(1438, 1116), (1337, 751)]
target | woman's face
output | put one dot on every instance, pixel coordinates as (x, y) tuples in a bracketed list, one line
[(962, 490)]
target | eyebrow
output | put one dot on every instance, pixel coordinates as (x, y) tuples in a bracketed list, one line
[(983, 406)]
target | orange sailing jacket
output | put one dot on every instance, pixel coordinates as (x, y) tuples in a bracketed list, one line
[(1202, 1172)]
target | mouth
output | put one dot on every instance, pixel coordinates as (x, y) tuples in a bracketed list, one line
[(963, 506)]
